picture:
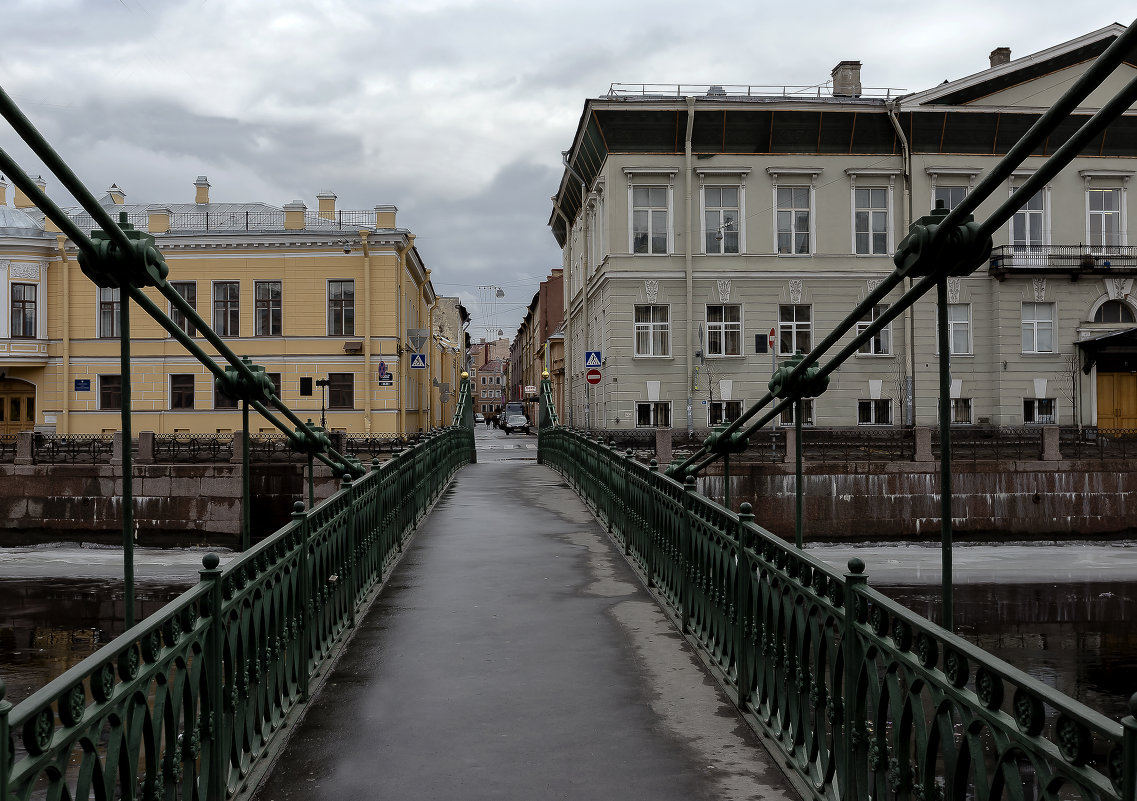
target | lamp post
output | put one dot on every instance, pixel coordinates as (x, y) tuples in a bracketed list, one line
[(322, 383)]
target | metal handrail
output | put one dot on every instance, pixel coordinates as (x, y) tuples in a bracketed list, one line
[(736, 91)]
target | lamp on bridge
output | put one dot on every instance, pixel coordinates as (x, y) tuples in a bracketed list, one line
[(322, 383)]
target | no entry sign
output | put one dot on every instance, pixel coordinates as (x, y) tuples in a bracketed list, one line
[(592, 376)]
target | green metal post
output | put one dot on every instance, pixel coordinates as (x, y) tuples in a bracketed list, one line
[(742, 603), (127, 459), (5, 737), (303, 632), (246, 482), (799, 487), (726, 479), (855, 580), (348, 486), (1128, 749), (948, 616), (686, 560), (215, 781)]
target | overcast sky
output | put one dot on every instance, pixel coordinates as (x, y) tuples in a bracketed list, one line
[(456, 111)]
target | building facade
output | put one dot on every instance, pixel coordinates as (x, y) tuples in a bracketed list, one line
[(337, 306), (709, 236), (538, 345)]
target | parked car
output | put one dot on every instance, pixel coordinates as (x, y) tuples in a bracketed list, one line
[(516, 422), (479, 417)]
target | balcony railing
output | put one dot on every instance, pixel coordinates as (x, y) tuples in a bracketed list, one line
[(1072, 260)]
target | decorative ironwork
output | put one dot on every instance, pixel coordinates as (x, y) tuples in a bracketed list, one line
[(8, 447), (193, 448), (72, 448)]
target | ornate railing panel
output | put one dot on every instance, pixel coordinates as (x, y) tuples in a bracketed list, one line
[(193, 448), (1097, 443), (270, 447), (368, 446), (8, 447), (865, 698), (72, 448), (857, 444), (980, 442), (185, 703)]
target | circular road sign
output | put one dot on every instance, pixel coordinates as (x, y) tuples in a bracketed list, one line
[(770, 338), (592, 376)]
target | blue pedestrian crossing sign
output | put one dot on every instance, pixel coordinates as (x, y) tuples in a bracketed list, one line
[(592, 358), (418, 361)]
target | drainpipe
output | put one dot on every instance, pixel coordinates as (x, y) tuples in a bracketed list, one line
[(909, 338), (399, 329), (431, 375), (689, 263), (366, 332), (65, 376)]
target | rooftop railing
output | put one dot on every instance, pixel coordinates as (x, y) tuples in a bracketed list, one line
[(740, 91)]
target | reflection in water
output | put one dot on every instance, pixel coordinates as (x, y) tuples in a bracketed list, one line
[(48, 625), (1079, 638)]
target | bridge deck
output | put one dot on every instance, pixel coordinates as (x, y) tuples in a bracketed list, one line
[(514, 655)]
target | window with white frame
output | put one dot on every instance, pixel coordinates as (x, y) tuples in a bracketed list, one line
[(874, 412), (721, 219), (1028, 225), (948, 197), (724, 330), (1039, 411), (1038, 327), (795, 329), (341, 308), (188, 292), (787, 418), (650, 221), (959, 329), (870, 221), (653, 330), (108, 311), (24, 311), (723, 412), (1103, 210), (227, 308), (268, 320), (653, 414), (961, 411), (881, 342), (793, 219)]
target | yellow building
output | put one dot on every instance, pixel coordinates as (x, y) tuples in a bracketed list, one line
[(336, 305)]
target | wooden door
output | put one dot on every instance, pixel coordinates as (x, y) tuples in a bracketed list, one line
[(17, 407), (1117, 401)]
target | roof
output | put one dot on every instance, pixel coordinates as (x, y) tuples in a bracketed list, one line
[(17, 222)]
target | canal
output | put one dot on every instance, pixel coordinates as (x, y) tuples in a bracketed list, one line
[(1066, 615)]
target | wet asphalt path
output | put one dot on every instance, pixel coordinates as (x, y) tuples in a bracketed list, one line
[(514, 655)]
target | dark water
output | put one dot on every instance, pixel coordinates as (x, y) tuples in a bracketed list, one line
[(1079, 638), (48, 625)]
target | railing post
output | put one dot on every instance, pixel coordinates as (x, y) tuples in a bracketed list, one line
[(5, 739), (625, 501), (855, 580), (685, 545), (246, 482), (353, 562), (303, 614), (948, 615), (215, 666), (1128, 751), (742, 604)]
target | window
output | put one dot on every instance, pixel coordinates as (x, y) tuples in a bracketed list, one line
[(874, 412), (870, 221), (1038, 327), (181, 391), (1103, 206), (948, 197), (268, 320), (227, 308), (793, 219), (720, 218), (1026, 226), (795, 330), (653, 414), (652, 331), (961, 411), (724, 330), (108, 311), (649, 219), (1039, 411), (341, 308), (341, 390), (188, 291), (24, 311), (305, 386), (959, 329), (723, 412), (1113, 311), (787, 418), (881, 342), (110, 392)]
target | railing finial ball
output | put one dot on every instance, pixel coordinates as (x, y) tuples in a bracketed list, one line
[(1132, 701), (210, 561), (689, 481), (745, 508), (856, 565), (3, 689), (298, 507)]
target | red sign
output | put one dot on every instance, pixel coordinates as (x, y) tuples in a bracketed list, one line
[(592, 376), (770, 339)]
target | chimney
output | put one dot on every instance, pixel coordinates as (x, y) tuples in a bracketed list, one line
[(327, 205), (1000, 56), (118, 197), (3, 191), (202, 193), (22, 201), (385, 216), (294, 215), (847, 79)]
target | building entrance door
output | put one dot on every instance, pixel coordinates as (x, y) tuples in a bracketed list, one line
[(17, 406), (1117, 401)]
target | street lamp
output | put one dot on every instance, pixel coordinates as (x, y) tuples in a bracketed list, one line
[(322, 383)]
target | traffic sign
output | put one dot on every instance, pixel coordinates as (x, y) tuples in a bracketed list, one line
[(418, 361), (592, 376), (382, 369), (592, 359), (770, 339)]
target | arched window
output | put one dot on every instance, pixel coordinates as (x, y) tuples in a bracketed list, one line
[(1114, 311)]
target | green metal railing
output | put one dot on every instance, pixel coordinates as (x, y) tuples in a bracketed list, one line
[(187, 704), (864, 698)]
